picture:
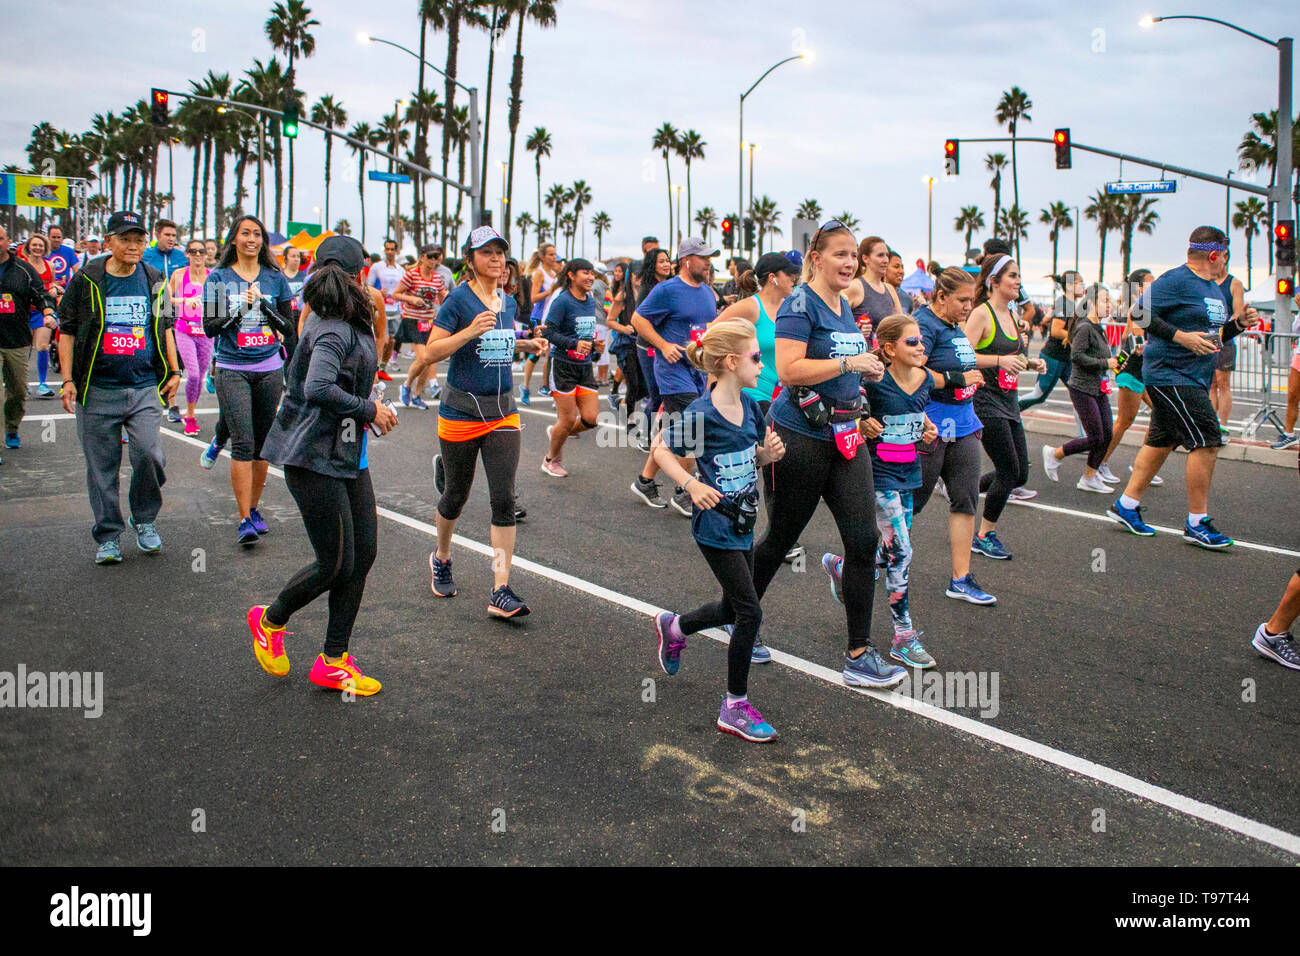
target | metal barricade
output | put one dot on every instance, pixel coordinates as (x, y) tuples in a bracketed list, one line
[(1261, 376)]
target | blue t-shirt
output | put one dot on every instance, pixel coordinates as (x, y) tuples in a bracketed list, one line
[(124, 358), (61, 262), (481, 366), (165, 262), (903, 415), (948, 350), (251, 341), (570, 321), (726, 456), (1191, 304), (804, 317), (679, 312)]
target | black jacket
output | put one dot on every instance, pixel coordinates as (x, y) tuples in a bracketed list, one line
[(81, 315), (26, 291), (326, 407)]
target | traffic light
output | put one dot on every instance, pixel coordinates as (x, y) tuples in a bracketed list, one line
[(158, 107), (951, 157), (1286, 286), (749, 234), (1061, 139), (1284, 234), (289, 122), (728, 235)]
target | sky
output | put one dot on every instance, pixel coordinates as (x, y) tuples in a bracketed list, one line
[(858, 128)]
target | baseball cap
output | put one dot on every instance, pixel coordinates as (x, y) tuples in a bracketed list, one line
[(795, 256), (481, 236), (125, 221), (770, 262), (343, 251), (431, 249), (694, 246), (94, 237)]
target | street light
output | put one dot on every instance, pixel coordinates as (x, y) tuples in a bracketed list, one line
[(505, 212), (679, 216), (752, 147), (807, 57), (261, 154), (929, 234), (1076, 241)]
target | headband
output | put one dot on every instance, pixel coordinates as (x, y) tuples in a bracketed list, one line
[(1209, 246), (998, 267)]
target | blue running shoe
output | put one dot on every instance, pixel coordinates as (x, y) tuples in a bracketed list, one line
[(1286, 440), (1205, 535), (110, 552), (259, 523), (871, 670), (908, 650), (247, 533), (1280, 648), (965, 589), (990, 547), (442, 585), (544, 390), (174, 415), (524, 398), (210, 454), (12, 441), (404, 395), (1130, 518), (759, 653), (418, 402), (833, 565), (670, 647), (147, 538), (44, 391), (505, 603), (744, 720), (209, 386)]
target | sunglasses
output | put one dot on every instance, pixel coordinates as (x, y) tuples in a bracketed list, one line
[(196, 252), (912, 341)]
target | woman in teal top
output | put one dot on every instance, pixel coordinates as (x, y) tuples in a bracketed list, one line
[(765, 287)]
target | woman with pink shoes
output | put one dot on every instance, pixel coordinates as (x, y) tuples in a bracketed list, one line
[(194, 348)]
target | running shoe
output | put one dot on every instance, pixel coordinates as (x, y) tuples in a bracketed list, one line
[(1155, 479), (681, 502), (12, 440), (1130, 518), (1094, 484), (908, 650), (1285, 440), (147, 538), (268, 642), (392, 365), (794, 554), (439, 475), (1106, 475), (833, 565), (442, 585), (1022, 494), (989, 546), (208, 385), (1223, 430), (505, 603), (259, 523), (44, 391), (383, 375), (524, 398), (1050, 464), (404, 395), (613, 402), (759, 654), (941, 489), (744, 720), (346, 676), (210, 454), (1281, 648), (647, 489), (191, 426), (247, 533), (641, 442), (433, 390), (1205, 535), (418, 402), (670, 647), (174, 415), (520, 512), (110, 552), (553, 468), (544, 391), (871, 670), (968, 589)]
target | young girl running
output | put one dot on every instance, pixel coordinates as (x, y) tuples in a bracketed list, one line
[(898, 421), (723, 431), (193, 347), (1130, 389), (571, 329), (542, 271)]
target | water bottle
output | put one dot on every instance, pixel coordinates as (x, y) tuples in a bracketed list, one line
[(377, 395)]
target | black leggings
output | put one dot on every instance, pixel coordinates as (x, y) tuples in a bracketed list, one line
[(1094, 416), (500, 451), (1004, 440), (342, 526), (957, 462), (812, 471), (248, 401), (739, 606)]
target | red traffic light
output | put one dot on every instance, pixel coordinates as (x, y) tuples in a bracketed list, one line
[(1286, 286), (1283, 230), (158, 107), (950, 147), (1061, 136), (726, 225)]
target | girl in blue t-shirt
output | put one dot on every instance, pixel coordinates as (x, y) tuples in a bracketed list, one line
[(571, 329), (724, 432)]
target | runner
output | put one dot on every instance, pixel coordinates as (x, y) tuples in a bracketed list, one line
[(33, 252), (385, 276), (672, 315), (1128, 372), (571, 329), (724, 431), (91, 250), (247, 307), (319, 437), (955, 455), (1225, 362), (62, 257), (119, 366), (163, 254), (185, 289), (1056, 349), (1273, 638), (656, 267), (1187, 322), (296, 276), (1288, 438), (542, 271), (420, 291), (213, 249), (871, 297), (821, 355), (477, 416), (618, 319), (22, 294), (894, 276)]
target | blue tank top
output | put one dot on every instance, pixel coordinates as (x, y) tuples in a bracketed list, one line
[(765, 332)]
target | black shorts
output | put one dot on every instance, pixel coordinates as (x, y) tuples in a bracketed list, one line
[(409, 331), (1226, 359), (1182, 415), (677, 402), (569, 378)]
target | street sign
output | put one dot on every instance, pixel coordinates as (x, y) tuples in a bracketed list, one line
[(1155, 186), (382, 177)]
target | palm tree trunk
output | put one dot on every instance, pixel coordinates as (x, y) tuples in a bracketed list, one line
[(1056, 241), (487, 119), (1101, 261), (453, 47), (670, 201), (207, 180), (361, 191), (328, 142), (1249, 260), (194, 195), (278, 155), (688, 195), (516, 87), (997, 205), (540, 214), (219, 186), (420, 135)]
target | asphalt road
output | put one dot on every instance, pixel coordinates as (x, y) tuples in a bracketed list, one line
[(541, 741)]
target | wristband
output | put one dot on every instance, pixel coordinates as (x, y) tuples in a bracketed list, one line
[(843, 365)]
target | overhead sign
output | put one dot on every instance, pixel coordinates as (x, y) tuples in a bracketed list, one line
[(1155, 186), (382, 177), (19, 190)]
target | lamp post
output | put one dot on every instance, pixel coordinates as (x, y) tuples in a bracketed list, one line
[(740, 159), (752, 147), (679, 216), (1283, 174), (505, 212), (1227, 206), (261, 154), (929, 232), (1076, 239)]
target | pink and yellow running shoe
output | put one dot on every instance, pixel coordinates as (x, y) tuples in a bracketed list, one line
[(345, 676), (268, 642)]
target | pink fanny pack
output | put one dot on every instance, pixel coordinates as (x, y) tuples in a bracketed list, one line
[(896, 454)]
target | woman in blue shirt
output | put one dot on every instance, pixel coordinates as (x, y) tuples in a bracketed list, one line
[(571, 329)]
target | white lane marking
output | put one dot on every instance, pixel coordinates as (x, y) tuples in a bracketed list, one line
[(1226, 819), (64, 416)]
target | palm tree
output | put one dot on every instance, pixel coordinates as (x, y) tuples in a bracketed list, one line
[(539, 144), (665, 139), (287, 29), (1259, 149), (1015, 224), (268, 86), (364, 134), (1057, 216), (1012, 108), (1101, 210), (968, 220), (394, 136), (707, 220), (1134, 213), (809, 209), (995, 163), (765, 216), (422, 110), (524, 222), (600, 224), (690, 146), (556, 198), (1250, 216), (568, 223), (850, 221), (543, 230), (460, 137), (331, 115), (581, 197), (541, 12), (342, 227)]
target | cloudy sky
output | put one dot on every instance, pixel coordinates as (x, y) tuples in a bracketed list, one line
[(858, 129)]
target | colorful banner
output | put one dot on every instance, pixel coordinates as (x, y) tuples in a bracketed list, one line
[(20, 190)]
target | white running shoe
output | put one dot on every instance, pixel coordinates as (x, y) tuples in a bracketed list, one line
[(1050, 464), (1155, 479), (1094, 484), (1106, 475)]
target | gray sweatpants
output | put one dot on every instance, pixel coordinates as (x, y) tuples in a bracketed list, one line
[(100, 423)]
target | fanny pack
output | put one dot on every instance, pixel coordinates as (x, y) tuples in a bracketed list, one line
[(742, 509), (487, 408), (820, 412), (896, 454)]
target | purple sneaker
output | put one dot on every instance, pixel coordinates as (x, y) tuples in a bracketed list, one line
[(671, 641), (745, 722)]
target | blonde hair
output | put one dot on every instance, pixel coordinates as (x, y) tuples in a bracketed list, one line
[(820, 240), (722, 338), (535, 262)]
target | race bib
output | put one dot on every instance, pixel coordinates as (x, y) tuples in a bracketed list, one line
[(847, 438), (963, 393), (123, 339), (424, 326), (697, 334), (6, 304), (254, 337), (1008, 381)]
